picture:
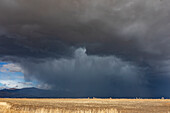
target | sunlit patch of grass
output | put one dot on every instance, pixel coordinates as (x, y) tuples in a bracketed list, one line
[(19, 108), (84, 105), (57, 110)]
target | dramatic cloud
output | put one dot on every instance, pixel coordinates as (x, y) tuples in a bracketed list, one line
[(53, 28), (88, 75), (41, 36)]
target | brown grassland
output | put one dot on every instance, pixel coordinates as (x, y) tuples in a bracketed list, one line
[(84, 106)]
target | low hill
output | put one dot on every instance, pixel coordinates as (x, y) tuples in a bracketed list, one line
[(30, 93)]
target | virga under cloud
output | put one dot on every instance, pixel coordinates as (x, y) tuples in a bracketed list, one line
[(89, 75), (46, 34)]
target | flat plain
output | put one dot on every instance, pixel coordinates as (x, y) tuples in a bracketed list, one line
[(84, 105)]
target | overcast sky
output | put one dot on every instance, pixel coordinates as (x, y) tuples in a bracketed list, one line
[(117, 48)]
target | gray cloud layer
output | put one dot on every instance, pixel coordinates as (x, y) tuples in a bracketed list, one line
[(132, 30), (89, 75), (85, 75)]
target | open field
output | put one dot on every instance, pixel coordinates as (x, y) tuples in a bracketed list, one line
[(84, 106)]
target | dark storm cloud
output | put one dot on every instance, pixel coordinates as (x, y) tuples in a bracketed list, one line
[(137, 28), (85, 75), (130, 30)]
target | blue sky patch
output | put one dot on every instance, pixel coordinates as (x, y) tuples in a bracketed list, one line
[(11, 76)]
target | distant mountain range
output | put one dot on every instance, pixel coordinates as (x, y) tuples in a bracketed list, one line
[(31, 93), (42, 93)]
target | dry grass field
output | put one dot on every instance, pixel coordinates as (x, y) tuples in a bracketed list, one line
[(84, 106)]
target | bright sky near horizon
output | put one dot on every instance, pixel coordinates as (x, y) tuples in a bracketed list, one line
[(11, 76)]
